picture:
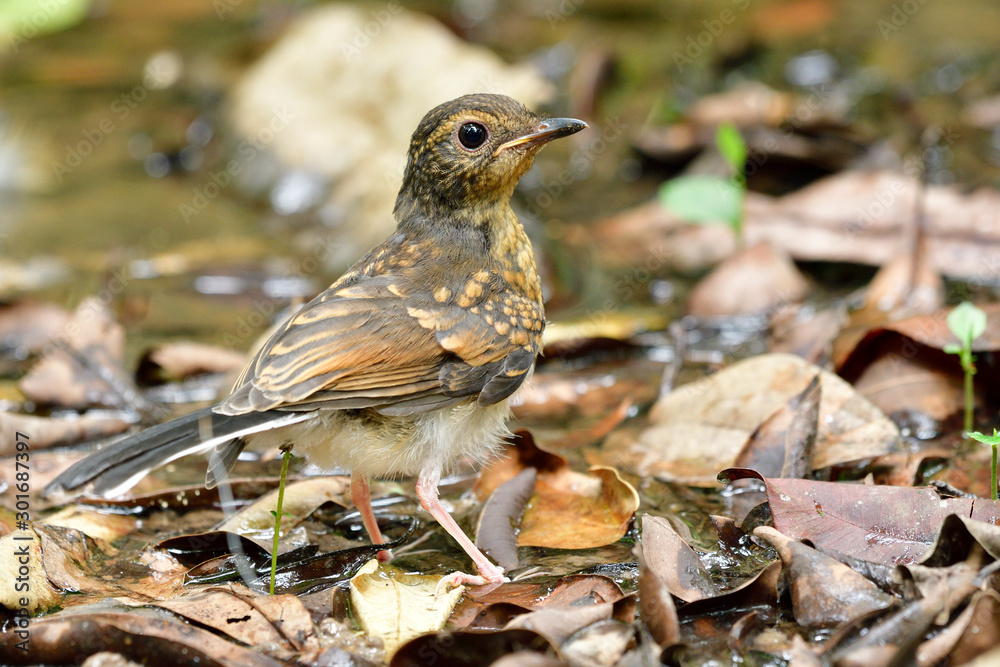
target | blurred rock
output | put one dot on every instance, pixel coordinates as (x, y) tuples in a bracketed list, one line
[(340, 94)]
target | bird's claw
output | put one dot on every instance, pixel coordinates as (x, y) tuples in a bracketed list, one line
[(456, 579)]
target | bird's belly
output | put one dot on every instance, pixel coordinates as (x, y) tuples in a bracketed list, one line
[(376, 445)]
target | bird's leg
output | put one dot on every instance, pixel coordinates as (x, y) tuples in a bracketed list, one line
[(427, 493), (362, 500)]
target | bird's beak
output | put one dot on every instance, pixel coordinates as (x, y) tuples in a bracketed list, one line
[(547, 130)]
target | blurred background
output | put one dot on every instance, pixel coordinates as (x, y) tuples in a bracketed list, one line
[(203, 164)]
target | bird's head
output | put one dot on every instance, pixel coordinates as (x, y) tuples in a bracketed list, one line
[(470, 152)]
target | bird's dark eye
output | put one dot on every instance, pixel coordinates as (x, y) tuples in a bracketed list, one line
[(472, 135)]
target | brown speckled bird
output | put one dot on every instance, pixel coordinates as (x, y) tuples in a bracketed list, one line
[(406, 363)]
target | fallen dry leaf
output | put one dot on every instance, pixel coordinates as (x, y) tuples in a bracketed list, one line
[(469, 648), (397, 607), (673, 562), (569, 510), (868, 217), (519, 597), (55, 431), (557, 622), (76, 366), (821, 222), (974, 633), (67, 640), (753, 280), (760, 590), (300, 500), (21, 556), (700, 428), (601, 644), (26, 326), (824, 592), (656, 605), (900, 365), (280, 622), (100, 525), (883, 524), (182, 359)]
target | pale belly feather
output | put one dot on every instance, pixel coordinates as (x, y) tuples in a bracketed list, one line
[(378, 446)]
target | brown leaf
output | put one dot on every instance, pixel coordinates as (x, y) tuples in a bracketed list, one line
[(601, 644), (753, 280), (896, 292), (468, 648), (569, 510), (69, 374), (656, 605), (824, 592), (761, 590), (501, 513), (900, 365), (652, 237), (806, 331), (699, 428), (791, 429), (278, 622), (884, 524), (55, 431), (183, 359), (26, 326), (66, 640), (557, 622), (573, 590), (975, 632), (40, 595), (673, 561), (101, 525), (864, 217), (592, 391)]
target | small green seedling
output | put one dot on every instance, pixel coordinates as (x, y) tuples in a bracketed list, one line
[(967, 323), (713, 199), (992, 441), (277, 514)]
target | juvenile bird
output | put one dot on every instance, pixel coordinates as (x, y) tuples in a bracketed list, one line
[(406, 363)]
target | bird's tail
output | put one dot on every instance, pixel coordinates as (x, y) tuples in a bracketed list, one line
[(119, 466)]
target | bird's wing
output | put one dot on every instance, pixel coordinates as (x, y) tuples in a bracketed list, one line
[(399, 349)]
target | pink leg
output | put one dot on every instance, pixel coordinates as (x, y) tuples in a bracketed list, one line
[(362, 500), (428, 494)]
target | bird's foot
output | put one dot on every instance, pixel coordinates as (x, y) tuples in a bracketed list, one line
[(384, 556), (492, 575)]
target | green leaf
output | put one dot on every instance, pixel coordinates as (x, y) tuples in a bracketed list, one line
[(21, 20), (702, 199), (953, 348), (730, 143), (967, 322), (986, 439)]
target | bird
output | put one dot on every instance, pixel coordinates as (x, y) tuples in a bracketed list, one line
[(406, 363)]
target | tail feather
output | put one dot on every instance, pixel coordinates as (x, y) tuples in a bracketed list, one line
[(118, 467)]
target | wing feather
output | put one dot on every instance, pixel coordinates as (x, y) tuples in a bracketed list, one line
[(387, 343)]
